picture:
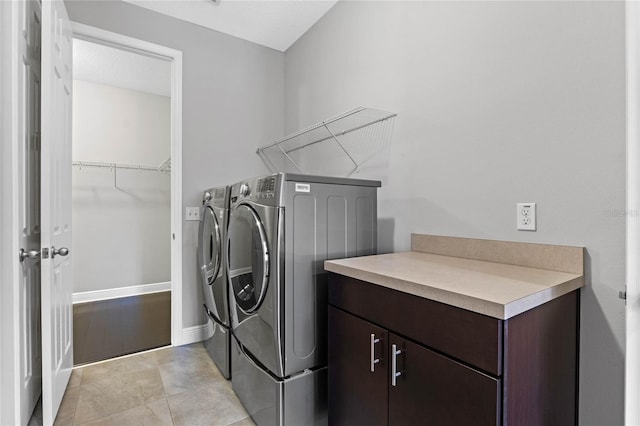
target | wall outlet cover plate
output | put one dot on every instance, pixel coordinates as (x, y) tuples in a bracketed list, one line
[(192, 213), (526, 216)]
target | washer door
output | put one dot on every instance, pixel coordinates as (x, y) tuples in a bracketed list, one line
[(248, 267), (209, 246)]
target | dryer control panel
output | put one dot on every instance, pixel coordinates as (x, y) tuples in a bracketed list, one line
[(262, 190), (267, 184), (265, 188)]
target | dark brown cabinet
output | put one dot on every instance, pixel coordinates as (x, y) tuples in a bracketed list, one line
[(399, 359), (358, 390), (435, 389), (376, 375)]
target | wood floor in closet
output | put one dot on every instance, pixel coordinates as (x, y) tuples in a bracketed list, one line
[(110, 328)]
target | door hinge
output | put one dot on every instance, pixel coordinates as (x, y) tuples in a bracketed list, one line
[(622, 294), (45, 253)]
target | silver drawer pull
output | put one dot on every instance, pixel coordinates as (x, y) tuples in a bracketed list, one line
[(394, 364), (374, 360)]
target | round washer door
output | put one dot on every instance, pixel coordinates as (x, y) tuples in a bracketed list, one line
[(209, 246), (248, 259)]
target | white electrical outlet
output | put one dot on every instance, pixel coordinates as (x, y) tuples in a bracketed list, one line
[(193, 213), (526, 216)]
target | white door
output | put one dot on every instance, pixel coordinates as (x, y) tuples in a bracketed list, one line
[(28, 127), (57, 319)]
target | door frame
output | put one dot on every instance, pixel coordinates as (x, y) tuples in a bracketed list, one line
[(632, 358), (111, 39), (9, 217)]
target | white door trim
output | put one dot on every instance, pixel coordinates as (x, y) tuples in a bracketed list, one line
[(4, 56), (632, 360), (9, 217), (120, 41)]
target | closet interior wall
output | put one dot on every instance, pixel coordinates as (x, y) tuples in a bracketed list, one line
[(121, 217)]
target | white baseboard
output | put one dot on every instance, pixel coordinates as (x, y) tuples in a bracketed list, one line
[(114, 293), (197, 333)]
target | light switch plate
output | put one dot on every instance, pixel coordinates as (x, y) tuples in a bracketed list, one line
[(193, 213), (526, 216)]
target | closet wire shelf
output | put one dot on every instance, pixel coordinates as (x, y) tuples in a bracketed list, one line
[(165, 167), (338, 146)]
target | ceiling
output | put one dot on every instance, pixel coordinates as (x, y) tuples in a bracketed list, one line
[(98, 63), (272, 23)]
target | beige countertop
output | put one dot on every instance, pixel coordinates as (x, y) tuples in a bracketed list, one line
[(495, 289)]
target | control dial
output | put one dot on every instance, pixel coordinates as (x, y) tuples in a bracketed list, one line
[(244, 190), (207, 197)]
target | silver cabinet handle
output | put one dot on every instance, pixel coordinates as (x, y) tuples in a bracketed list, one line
[(374, 360), (394, 364), (31, 254), (62, 251)]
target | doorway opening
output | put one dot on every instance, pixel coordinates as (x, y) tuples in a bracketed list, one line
[(126, 195), (121, 201)]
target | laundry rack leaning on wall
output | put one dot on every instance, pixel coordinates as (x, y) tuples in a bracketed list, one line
[(338, 146), (165, 167)]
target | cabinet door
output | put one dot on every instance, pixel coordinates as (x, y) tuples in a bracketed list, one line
[(433, 389), (357, 395)]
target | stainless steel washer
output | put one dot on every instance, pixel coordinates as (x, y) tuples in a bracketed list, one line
[(212, 260), (282, 228)]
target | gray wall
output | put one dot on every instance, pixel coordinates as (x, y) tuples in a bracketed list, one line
[(498, 103), (232, 103), (122, 237), (125, 230)]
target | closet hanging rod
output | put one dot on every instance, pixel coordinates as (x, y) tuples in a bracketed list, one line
[(94, 164)]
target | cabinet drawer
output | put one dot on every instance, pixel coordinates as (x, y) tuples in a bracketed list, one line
[(467, 336)]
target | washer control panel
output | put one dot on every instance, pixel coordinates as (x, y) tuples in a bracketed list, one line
[(216, 197)]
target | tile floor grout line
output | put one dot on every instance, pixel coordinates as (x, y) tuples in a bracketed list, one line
[(99, 418), (154, 360), (191, 389), (118, 412), (73, 419), (166, 395), (173, 422), (82, 377)]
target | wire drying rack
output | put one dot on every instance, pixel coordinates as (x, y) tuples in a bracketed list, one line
[(337, 146)]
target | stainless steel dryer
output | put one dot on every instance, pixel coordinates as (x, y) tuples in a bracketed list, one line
[(282, 228), (212, 259)]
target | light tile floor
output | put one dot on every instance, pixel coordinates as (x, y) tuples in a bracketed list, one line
[(170, 386)]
